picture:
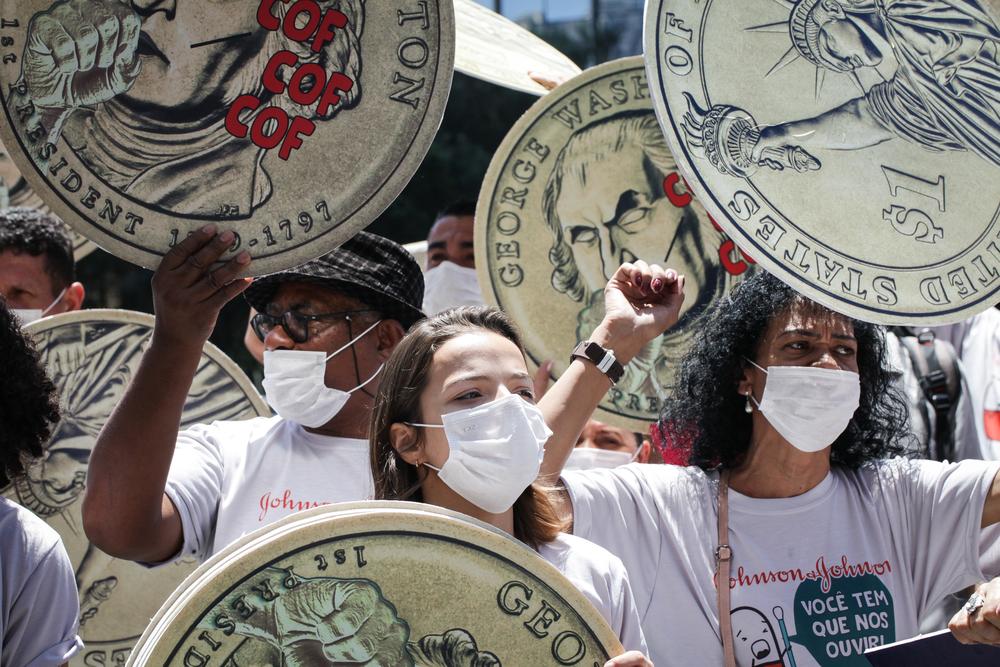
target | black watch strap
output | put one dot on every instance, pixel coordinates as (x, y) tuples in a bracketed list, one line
[(600, 357)]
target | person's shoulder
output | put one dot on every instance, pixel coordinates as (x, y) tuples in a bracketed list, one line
[(668, 477), (229, 432), (582, 554), (649, 474), (658, 482), (24, 538), (878, 472), (896, 468), (900, 472), (989, 320)]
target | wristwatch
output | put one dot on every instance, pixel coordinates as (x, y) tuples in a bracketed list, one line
[(600, 357)]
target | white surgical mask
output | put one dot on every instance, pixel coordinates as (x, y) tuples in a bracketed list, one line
[(588, 458), (449, 285), (295, 384), (810, 407), (28, 315), (495, 452)]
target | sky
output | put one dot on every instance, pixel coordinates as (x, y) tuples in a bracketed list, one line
[(556, 10)]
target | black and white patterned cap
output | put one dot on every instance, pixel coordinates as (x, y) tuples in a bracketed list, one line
[(370, 268)]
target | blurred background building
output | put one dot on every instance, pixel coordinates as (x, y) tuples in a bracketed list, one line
[(597, 30)]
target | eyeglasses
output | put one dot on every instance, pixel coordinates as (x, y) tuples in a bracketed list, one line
[(295, 323)]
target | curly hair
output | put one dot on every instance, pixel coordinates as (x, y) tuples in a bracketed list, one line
[(29, 403), (707, 417), (28, 230)]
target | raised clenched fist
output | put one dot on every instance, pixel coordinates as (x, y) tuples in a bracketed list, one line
[(81, 52), (331, 621)]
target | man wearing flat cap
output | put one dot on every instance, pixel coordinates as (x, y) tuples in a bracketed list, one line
[(155, 494)]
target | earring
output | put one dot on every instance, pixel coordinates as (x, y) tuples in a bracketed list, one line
[(749, 407)]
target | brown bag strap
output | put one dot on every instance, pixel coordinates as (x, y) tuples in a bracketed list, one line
[(723, 557)]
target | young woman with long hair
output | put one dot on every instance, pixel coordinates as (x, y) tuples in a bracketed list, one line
[(455, 425)]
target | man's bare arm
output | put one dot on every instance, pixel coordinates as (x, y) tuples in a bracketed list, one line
[(125, 510)]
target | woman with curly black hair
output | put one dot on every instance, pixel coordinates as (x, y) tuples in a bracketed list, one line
[(38, 597), (826, 546)]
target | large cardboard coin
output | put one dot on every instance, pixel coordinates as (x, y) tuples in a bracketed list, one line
[(582, 183), (293, 123), (852, 147), (91, 356), (15, 191), (495, 49), (431, 589)]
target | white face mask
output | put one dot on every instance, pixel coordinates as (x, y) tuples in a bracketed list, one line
[(495, 452), (810, 407), (588, 458), (449, 285), (295, 384), (29, 315)]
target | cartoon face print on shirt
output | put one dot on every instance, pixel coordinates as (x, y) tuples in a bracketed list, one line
[(754, 640)]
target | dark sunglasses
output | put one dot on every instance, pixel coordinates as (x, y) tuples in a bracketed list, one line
[(296, 324)]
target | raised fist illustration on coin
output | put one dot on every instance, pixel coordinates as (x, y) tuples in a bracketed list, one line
[(81, 52), (330, 622)]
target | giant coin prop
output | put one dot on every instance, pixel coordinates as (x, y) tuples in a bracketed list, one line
[(384, 584), (582, 183), (15, 191), (495, 49), (852, 147), (91, 356), (292, 123)]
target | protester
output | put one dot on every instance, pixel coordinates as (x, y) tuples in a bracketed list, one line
[(37, 273), (455, 425), (154, 494), (832, 546), (452, 234), (927, 372), (39, 606), (977, 341), (451, 260), (605, 446)]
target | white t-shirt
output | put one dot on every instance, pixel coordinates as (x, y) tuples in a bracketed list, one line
[(230, 478), (602, 579), (850, 564), (977, 341), (39, 606)]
